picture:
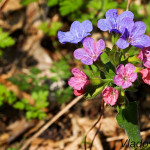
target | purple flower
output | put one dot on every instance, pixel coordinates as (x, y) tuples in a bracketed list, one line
[(90, 52), (144, 55), (78, 31), (133, 35), (114, 21), (125, 75)]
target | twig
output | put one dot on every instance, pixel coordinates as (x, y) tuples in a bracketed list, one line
[(50, 122), (3, 5), (100, 123), (129, 1), (92, 127)]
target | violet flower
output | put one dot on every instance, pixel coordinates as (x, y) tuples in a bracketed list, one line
[(78, 31), (113, 21), (144, 55), (133, 35), (90, 52), (125, 75), (79, 81)]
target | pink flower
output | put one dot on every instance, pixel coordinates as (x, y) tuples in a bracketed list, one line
[(90, 52), (146, 75), (110, 95), (125, 75), (144, 55), (78, 82)]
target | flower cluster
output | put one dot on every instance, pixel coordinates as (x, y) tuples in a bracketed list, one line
[(128, 33), (132, 33)]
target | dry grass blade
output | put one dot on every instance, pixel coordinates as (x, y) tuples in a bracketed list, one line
[(50, 122)]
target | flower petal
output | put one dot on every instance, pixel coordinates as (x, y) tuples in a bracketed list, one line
[(118, 80), (64, 37), (125, 14), (120, 69), (110, 95), (87, 25), (77, 29), (88, 44), (122, 43), (146, 64), (129, 68), (83, 55), (112, 15), (140, 55), (144, 72), (126, 23), (143, 41), (80, 52), (104, 25), (87, 61), (99, 46), (138, 29), (126, 84), (76, 72), (133, 77), (78, 92)]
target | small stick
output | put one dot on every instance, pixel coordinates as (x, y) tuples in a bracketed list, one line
[(3, 5), (50, 122), (102, 103), (100, 123), (129, 1)]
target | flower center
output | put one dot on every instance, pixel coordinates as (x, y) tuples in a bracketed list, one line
[(130, 40), (125, 78)]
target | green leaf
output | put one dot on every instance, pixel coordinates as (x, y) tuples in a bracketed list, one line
[(104, 58), (92, 93), (51, 29), (127, 119), (27, 2), (69, 6), (35, 70), (63, 95), (19, 105), (29, 114), (113, 55), (5, 39), (55, 26), (95, 4), (52, 2)]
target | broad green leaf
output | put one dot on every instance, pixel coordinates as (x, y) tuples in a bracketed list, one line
[(128, 119), (104, 58)]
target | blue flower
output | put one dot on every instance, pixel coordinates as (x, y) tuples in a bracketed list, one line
[(113, 21), (78, 31), (133, 34)]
